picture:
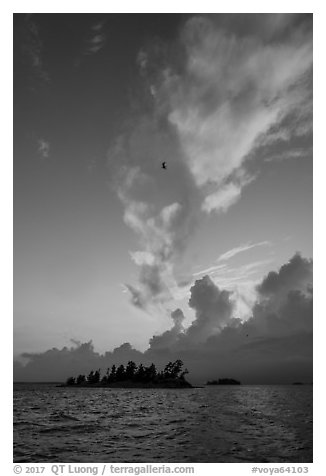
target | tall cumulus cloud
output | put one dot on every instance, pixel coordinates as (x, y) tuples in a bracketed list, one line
[(273, 346)]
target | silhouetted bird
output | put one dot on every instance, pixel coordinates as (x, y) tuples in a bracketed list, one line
[(163, 165)]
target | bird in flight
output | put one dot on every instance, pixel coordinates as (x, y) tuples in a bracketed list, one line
[(163, 165)]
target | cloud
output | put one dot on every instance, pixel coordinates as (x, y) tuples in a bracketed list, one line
[(222, 199), (96, 40), (32, 48), (239, 280), (278, 335), (213, 309), (210, 102), (95, 44), (210, 270), (98, 26), (296, 274), (273, 346), (234, 277), (159, 236), (54, 364), (232, 91), (170, 337), (289, 154), (160, 209), (137, 297), (43, 148), (240, 249)]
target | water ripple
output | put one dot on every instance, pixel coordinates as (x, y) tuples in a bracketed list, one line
[(218, 424)]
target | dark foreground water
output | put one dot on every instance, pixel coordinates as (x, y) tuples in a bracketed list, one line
[(213, 424)]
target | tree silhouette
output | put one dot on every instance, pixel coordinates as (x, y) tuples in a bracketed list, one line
[(168, 370), (131, 370), (150, 373), (97, 376), (172, 374), (90, 377), (120, 375), (80, 379), (94, 377), (140, 373), (176, 368), (112, 375)]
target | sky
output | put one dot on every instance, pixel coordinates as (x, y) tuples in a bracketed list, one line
[(209, 259)]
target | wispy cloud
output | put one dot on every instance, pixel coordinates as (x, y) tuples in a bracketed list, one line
[(96, 40), (289, 154), (43, 148), (32, 47), (242, 282), (162, 226), (210, 270), (232, 92), (222, 199), (240, 249), (98, 26), (95, 44), (243, 272)]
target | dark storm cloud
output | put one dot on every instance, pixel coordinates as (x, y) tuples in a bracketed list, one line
[(273, 346)]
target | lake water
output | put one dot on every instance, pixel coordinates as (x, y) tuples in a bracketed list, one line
[(212, 424)]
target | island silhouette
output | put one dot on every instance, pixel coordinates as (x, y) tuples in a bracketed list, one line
[(133, 376), (223, 381)]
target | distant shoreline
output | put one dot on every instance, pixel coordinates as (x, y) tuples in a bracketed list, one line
[(130, 384), (223, 381), (203, 385)]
